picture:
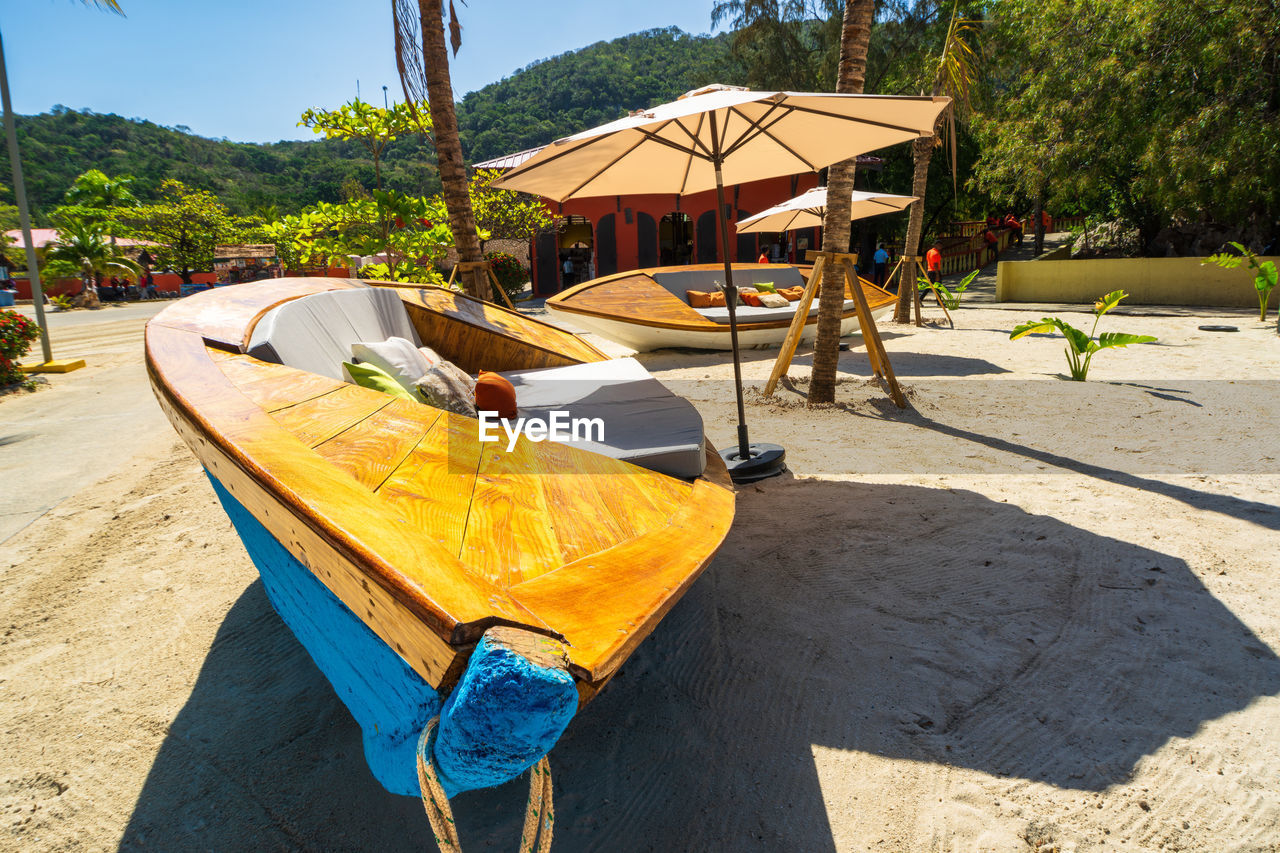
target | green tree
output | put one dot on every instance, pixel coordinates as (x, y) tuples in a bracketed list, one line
[(790, 45), (1151, 112), (83, 247), (374, 128), (423, 61), (188, 223), (506, 214), (954, 74)]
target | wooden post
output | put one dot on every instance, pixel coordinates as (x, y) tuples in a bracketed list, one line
[(788, 350), (468, 266), (870, 334)]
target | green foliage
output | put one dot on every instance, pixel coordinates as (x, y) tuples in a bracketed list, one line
[(506, 214), (950, 296), (60, 145), (84, 247), (16, 336), (62, 302), (790, 46), (597, 84), (1265, 279), (1150, 111), (1081, 347), (188, 223), (510, 274), (374, 128)]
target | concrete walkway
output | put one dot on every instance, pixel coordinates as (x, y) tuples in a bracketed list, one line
[(83, 425), (983, 288)]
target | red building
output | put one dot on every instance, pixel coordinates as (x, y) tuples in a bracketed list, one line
[(610, 234)]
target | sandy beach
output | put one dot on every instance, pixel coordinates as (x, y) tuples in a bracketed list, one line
[(1024, 614)]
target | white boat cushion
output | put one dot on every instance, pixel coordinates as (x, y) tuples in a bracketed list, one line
[(398, 357), (315, 332), (751, 314), (644, 423)]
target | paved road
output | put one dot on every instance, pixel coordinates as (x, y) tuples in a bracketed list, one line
[(83, 425)]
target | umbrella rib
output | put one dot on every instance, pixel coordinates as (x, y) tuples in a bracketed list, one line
[(755, 125), (695, 137), (764, 131), (828, 114), (688, 166)]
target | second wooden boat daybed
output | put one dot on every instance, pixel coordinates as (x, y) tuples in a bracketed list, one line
[(420, 566), (649, 309)]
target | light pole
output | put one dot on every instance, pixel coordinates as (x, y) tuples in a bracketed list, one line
[(384, 98), (20, 190)]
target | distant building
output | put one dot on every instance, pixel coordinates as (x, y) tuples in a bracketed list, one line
[(609, 234)]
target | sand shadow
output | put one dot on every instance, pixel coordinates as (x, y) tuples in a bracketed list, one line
[(993, 639)]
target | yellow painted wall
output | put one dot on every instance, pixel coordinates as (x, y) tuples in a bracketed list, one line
[(1148, 281)]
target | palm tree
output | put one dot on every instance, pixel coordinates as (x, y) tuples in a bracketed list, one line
[(855, 37), (953, 75), (423, 62), (82, 246)]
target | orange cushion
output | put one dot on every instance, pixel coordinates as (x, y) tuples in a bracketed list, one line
[(752, 299), (698, 299), (495, 393), (715, 300), (793, 294)]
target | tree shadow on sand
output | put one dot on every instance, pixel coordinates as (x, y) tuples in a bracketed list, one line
[(1009, 643)]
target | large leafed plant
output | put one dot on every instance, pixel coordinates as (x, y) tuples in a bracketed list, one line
[(1081, 347)]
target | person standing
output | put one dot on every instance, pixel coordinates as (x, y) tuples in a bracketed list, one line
[(881, 261), (933, 262), (764, 257), (567, 269)]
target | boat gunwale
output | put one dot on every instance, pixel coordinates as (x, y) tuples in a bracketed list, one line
[(362, 559), (562, 302)]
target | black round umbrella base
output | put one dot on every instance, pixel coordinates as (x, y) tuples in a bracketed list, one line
[(1218, 328), (766, 460)]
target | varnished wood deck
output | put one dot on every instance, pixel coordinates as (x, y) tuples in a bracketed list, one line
[(427, 534), (635, 298)]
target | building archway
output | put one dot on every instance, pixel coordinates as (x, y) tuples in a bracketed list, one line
[(576, 251), (675, 240)]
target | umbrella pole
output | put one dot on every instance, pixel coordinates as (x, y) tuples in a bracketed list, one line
[(748, 462), (731, 299)]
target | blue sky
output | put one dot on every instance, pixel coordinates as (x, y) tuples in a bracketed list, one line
[(246, 70)]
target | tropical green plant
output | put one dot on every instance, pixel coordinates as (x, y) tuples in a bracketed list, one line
[(188, 223), (374, 128), (63, 302), (1081, 347), (16, 335), (950, 296), (84, 246), (1265, 279), (423, 61), (954, 74)]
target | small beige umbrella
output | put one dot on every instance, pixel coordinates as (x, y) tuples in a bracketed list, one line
[(718, 135), (807, 210)]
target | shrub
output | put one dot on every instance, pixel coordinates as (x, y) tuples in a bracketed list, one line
[(16, 335), (510, 274)]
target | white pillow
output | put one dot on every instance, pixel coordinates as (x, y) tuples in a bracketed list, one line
[(773, 300), (398, 357), (446, 387)]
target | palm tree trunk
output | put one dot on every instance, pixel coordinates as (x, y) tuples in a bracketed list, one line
[(854, 39), (922, 154), (1039, 223), (453, 171)]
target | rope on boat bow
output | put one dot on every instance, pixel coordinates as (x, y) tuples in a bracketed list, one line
[(539, 816)]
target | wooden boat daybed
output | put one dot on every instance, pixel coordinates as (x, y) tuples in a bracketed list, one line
[(648, 309), (392, 540)]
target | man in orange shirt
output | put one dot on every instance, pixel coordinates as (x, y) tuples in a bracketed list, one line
[(933, 262)]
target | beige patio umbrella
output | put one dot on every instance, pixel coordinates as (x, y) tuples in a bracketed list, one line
[(808, 209), (718, 135)]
